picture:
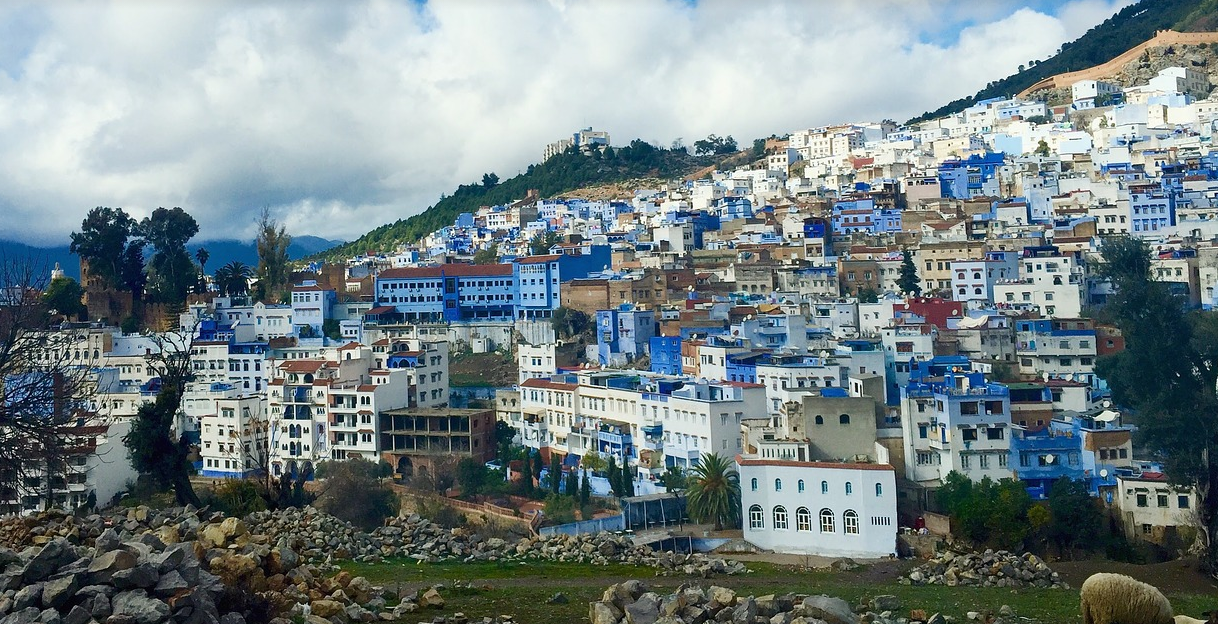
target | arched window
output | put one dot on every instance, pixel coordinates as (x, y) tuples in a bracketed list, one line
[(780, 518), (777, 485), (754, 484), (826, 521), (824, 487), (756, 517), (879, 490), (803, 519), (849, 488), (801, 485), (820, 420), (850, 521), (844, 419)]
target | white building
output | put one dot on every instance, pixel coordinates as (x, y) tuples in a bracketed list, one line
[(1049, 282), (536, 362), (98, 467), (233, 438), (1153, 510), (816, 508)]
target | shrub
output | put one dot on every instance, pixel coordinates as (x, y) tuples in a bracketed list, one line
[(237, 497), (355, 493)]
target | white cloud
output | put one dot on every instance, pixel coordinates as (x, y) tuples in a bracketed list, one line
[(343, 116)]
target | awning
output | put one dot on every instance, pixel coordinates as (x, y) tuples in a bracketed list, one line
[(570, 461)]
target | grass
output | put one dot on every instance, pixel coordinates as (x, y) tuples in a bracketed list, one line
[(522, 590)]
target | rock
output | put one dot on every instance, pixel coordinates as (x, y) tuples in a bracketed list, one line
[(78, 615), (598, 613), (721, 596), (645, 610), (103, 568), (431, 598), (885, 602), (325, 608), (143, 576), (232, 618), (136, 604), (170, 583), (28, 615), (54, 554), (57, 592), (1006, 611), (28, 596), (558, 598), (107, 541), (937, 618), (831, 610)]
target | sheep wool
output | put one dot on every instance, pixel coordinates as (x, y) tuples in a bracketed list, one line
[(1185, 619), (1108, 598)]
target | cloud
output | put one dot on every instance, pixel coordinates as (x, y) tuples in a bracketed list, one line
[(343, 116)]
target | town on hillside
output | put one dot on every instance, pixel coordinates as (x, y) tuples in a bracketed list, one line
[(853, 319)]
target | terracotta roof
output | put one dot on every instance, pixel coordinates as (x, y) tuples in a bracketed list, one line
[(302, 366), (549, 385), (349, 345), (448, 270)]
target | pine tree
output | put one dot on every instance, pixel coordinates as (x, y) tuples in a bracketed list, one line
[(908, 281), (585, 491)]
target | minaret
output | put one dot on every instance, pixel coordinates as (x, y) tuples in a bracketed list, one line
[(56, 272)]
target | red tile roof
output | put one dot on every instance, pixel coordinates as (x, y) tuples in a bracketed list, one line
[(448, 270), (302, 366)]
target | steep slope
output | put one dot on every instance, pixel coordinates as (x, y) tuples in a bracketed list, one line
[(559, 174), (1130, 26)]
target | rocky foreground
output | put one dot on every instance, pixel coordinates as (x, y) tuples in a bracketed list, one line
[(630, 602), (184, 566), (987, 569)]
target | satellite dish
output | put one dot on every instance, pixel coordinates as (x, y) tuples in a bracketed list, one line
[(1104, 473), (1049, 459)]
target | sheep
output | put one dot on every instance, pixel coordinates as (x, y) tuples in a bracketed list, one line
[(1118, 599), (1185, 619)]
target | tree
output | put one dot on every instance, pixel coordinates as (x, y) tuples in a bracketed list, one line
[(332, 329), (868, 294), (908, 280), (1167, 375), (154, 449), (273, 270), (1021, 67), (674, 479), (43, 387), (594, 461), (758, 148), (63, 295), (541, 242), (585, 490), (171, 273), (102, 242), (714, 145), (555, 473), (355, 492), (202, 256), (615, 477), (1074, 518), (233, 279), (504, 434), (1042, 148), (471, 476), (490, 255), (571, 487), (627, 480), (994, 513), (714, 492), (489, 180)]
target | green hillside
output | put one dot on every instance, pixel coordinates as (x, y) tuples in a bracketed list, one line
[(564, 172), (1130, 26)]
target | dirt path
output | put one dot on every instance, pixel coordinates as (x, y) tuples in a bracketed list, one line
[(1172, 576)]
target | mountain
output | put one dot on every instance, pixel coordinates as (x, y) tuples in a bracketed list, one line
[(1127, 28), (564, 172), (220, 252)]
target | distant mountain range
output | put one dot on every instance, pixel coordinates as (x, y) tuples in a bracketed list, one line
[(220, 252)]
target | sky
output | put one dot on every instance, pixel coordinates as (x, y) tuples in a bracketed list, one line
[(342, 116)]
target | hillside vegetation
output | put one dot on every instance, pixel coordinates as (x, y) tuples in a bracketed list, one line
[(562, 173), (1129, 27)]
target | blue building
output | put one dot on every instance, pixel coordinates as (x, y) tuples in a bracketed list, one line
[(964, 179), (666, 355), (623, 333), (449, 292), (1152, 208), (539, 279)]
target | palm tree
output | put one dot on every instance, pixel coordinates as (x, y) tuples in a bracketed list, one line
[(714, 492), (233, 278)]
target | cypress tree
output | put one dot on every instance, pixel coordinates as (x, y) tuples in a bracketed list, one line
[(585, 491), (555, 473)]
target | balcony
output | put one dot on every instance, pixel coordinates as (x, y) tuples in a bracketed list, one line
[(614, 439)]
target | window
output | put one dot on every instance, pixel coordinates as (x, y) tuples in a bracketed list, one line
[(754, 484), (820, 420), (850, 521), (844, 419), (800, 485), (1002, 460), (1182, 501), (803, 519), (994, 433), (1162, 500), (777, 485), (922, 431), (1145, 529), (824, 487), (780, 518), (756, 517), (879, 490), (1141, 498), (849, 488), (826, 521)]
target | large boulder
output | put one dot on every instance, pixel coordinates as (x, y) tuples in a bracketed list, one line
[(136, 604), (59, 591), (103, 567), (831, 610)]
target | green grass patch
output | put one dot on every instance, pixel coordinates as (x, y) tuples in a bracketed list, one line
[(522, 590)]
